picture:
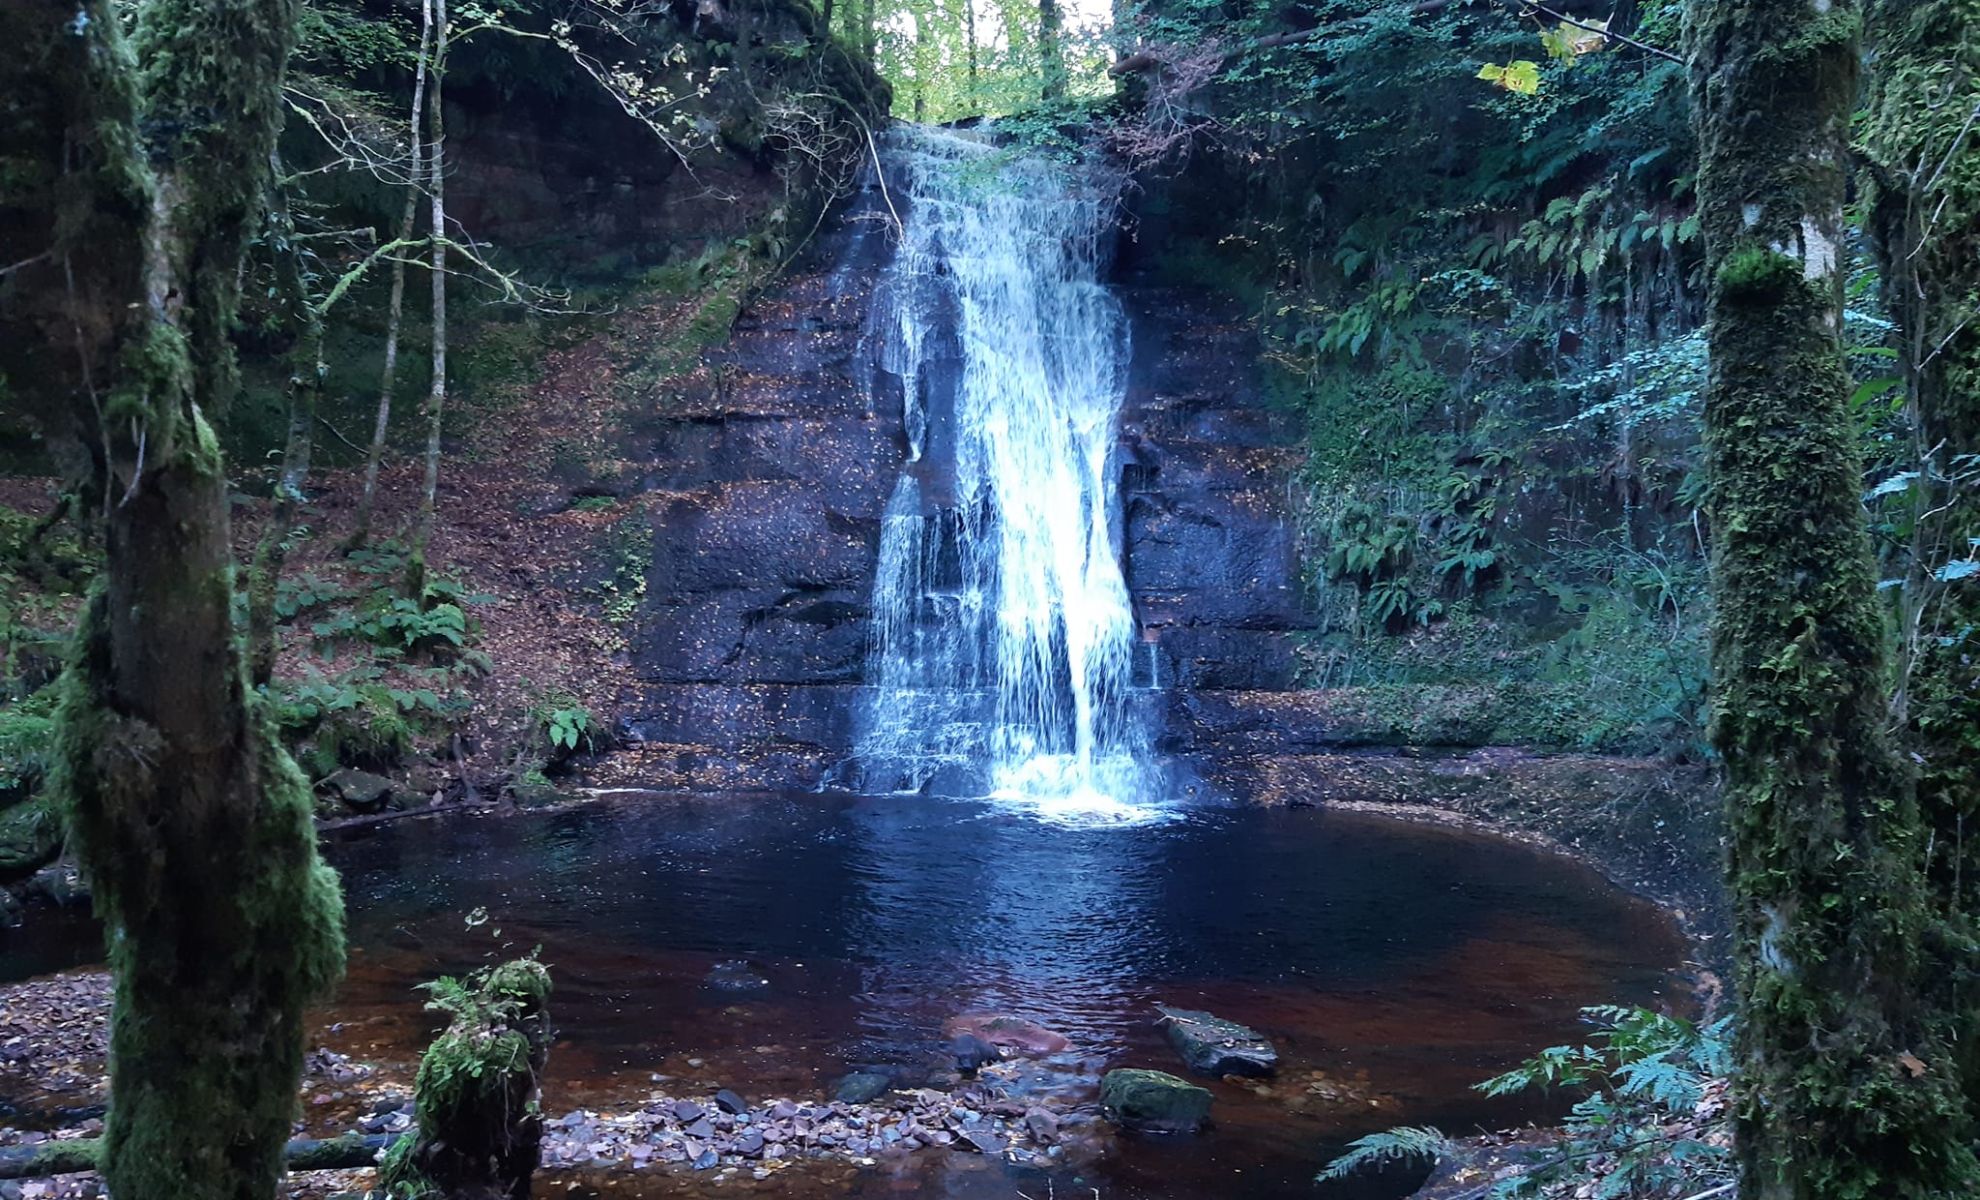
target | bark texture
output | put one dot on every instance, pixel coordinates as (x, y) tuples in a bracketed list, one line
[(190, 821), (1923, 105), (1845, 1092)]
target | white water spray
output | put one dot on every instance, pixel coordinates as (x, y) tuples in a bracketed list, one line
[(1003, 637)]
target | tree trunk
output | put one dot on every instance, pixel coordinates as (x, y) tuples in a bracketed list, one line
[(190, 822), (969, 43), (1051, 50), (395, 311), (1923, 108), (306, 370), (436, 395), (1843, 1091), (77, 1155)]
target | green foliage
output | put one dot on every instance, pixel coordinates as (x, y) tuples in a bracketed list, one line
[(1648, 1123), (435, 624), (1401, 1144), (627, 552), (27, 730), (568, 727), (406, 686), (476, 1090)]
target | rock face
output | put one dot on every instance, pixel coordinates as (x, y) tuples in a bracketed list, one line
[(1153, 1100), (771, 485), (1215, 1047)]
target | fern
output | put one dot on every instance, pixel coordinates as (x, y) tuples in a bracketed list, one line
[(1390, 1145)]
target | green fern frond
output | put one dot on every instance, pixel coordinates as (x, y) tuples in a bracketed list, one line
[(1391, 1145)]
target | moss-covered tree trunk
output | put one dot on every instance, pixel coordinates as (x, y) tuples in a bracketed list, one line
[(1844, 1091), (1922, 140), (306, 371), (191, 823), (1051, 50)]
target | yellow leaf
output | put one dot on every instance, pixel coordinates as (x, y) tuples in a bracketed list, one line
[(1522, 76)]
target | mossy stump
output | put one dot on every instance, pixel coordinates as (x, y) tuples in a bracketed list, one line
[(480, 1131)]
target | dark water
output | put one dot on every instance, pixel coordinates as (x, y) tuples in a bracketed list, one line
[(1393, 964)]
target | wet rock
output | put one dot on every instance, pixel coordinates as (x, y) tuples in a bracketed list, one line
[(729, 1102), (737, 978), (783, 1110), (687, 1110), (983, 1138), (706, 1160), (30, 838), (1015, 1034), (862, 1087), (1153, 1100), (702, 1129), (972, 1053), (750, 1144), (60, 884), (1216, 1047), (1043, 1125), (360, 791)]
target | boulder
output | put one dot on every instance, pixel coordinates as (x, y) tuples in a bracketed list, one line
[(30, 838), (1215, 1047), (1020, 1037), (972, 1053), (1153, 1100), (360, 791), (862, 1087)]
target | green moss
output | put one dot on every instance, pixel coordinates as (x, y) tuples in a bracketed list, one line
[(1758, 275), (221, 933), (1846, 1089), (480, 1125)]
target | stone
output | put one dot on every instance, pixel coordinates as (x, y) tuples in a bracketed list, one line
[(1043, 1125), (972, 1053), (1021, 1037), (862, 1087), (706, 1160), (360, 791), (30, 838), (1215, 1047), (729, 1102), (783, 1110), (750, 1144), (737, 978), (702, 1129), (1153, 1100), (687, 1110), (983, 1138)]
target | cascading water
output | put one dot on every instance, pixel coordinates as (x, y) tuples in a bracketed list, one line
[(1003, 637)]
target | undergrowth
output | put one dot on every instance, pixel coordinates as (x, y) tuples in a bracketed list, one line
[(1650, 1123)]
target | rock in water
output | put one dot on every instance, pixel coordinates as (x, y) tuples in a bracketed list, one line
[(360, 790), (737, 978), (1216, 1047), (862, 1087), (1153, 1100), (729, 1102), (972, 1053)]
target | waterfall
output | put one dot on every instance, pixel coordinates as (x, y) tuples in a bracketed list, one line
[(1003, 639)]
